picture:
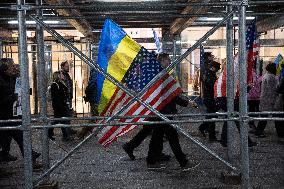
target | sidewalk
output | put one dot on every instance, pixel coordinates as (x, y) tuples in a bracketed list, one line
[(96, 167)]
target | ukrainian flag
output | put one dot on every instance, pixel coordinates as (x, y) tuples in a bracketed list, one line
[(116, 53), (279, 61)]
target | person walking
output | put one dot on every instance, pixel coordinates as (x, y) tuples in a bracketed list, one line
[(9, 101), (60, 104), (156, 142), (208, 81), (268, 96), (254, 97)]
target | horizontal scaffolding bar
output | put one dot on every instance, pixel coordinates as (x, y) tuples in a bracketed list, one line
[(142, 4)]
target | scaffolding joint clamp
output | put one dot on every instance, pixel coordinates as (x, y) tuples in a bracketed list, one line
[(245, 119), (21, 7)]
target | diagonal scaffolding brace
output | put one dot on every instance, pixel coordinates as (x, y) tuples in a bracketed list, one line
[(135, 98)]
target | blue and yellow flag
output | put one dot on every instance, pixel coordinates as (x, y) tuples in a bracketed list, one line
[(116, 53), (279, 61)]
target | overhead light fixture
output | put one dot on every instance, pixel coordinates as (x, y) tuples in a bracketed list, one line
[(96, 30), (248, 18), (34, 22), (220, 18)]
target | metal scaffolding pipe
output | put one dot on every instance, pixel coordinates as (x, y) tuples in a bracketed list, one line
[(230, 85), (122, 15), (42, 90), (236, 119), (136, 98), (26, 114), (142, 4), (243, 96), (95, 118)]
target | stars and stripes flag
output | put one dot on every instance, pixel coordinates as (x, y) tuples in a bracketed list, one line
[(252, 49), (202, 62), (135, 68)]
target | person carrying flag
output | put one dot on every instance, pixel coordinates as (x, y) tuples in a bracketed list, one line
[(156, 143)]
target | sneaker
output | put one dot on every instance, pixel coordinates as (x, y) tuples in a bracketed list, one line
[(128, 151), (252, 131), (213, 139), (37, 166), (155, 166), (224, 144), (260, 135), (7, 158), (252, 144), (35, 155), (73, 131), (189, 165), (5, 174), (163, 157), (66, 139), (202, 132), (51, 138)]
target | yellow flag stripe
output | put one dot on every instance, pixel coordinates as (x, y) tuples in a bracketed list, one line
[(118, 65)]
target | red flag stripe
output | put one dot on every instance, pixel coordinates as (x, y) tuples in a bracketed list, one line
[(131, 110), (140, 110), (130, 127), (171, 93)]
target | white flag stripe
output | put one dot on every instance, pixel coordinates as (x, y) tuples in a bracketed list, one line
[(118, 106), (151, 97), (141, 107), (119, 131)]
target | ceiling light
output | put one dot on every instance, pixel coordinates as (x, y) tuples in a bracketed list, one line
[(248, 18), (220, 18), (33, 22)]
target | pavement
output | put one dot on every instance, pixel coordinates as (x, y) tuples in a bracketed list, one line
[(94, 166)]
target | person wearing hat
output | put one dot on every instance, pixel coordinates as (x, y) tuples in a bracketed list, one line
[(208, 80)]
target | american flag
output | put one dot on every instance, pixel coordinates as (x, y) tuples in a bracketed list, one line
[(143, 69), (202, 62), (252, 48)]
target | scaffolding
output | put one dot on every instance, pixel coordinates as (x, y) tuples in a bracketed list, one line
[(230, 116)]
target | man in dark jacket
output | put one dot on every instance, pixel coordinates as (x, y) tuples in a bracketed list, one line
[(156, 143), (208, 81), (8, 74), (7, 98), (60, 105), (68, 82)]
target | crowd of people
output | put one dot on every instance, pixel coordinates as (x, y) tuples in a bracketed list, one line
[(264, 94)]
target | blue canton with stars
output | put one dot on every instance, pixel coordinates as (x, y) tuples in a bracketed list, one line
[(142, 70), (251, 35), (202, 63)]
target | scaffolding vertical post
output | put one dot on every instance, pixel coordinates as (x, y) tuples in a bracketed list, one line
[(26, 116), (230, 84), (42, 88), (243, 96)]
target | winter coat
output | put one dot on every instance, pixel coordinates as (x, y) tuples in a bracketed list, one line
[(208, 84), (59, 95), (7, 96), (171, 107), (268, 92), (280, 91), (69, 84)]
